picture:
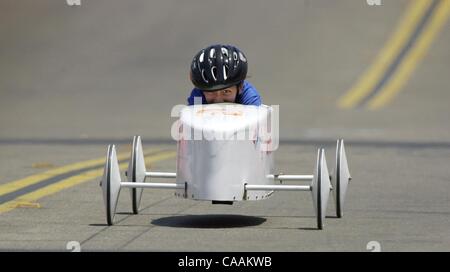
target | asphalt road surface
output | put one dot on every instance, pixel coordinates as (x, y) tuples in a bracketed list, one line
[(76, 78)]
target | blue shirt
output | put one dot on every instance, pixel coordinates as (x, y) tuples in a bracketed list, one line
[(248, 96)]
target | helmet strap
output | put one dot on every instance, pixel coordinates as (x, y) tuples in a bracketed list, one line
[(238, 88)]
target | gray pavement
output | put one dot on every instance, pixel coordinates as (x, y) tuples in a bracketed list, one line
[(73, 79)]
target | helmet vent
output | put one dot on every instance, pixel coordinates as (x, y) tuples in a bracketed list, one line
[(214, 72), (203, 76), (225, 72), (225, 52), (241, 56)]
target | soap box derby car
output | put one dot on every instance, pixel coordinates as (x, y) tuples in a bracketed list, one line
[(225, 154)]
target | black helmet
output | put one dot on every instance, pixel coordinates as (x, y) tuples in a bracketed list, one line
[(217, 67)]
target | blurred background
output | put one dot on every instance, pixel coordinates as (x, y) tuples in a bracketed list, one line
[(111, 69), (76, 78)]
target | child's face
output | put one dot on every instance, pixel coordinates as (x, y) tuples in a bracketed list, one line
[(221, 96)]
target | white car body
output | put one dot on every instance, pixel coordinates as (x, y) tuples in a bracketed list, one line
[(224, 157), (225, 154)]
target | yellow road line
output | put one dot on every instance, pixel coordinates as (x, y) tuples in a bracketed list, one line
[(387, 55), (415, 55), (21, 183), (74, 180), (23, 204)]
